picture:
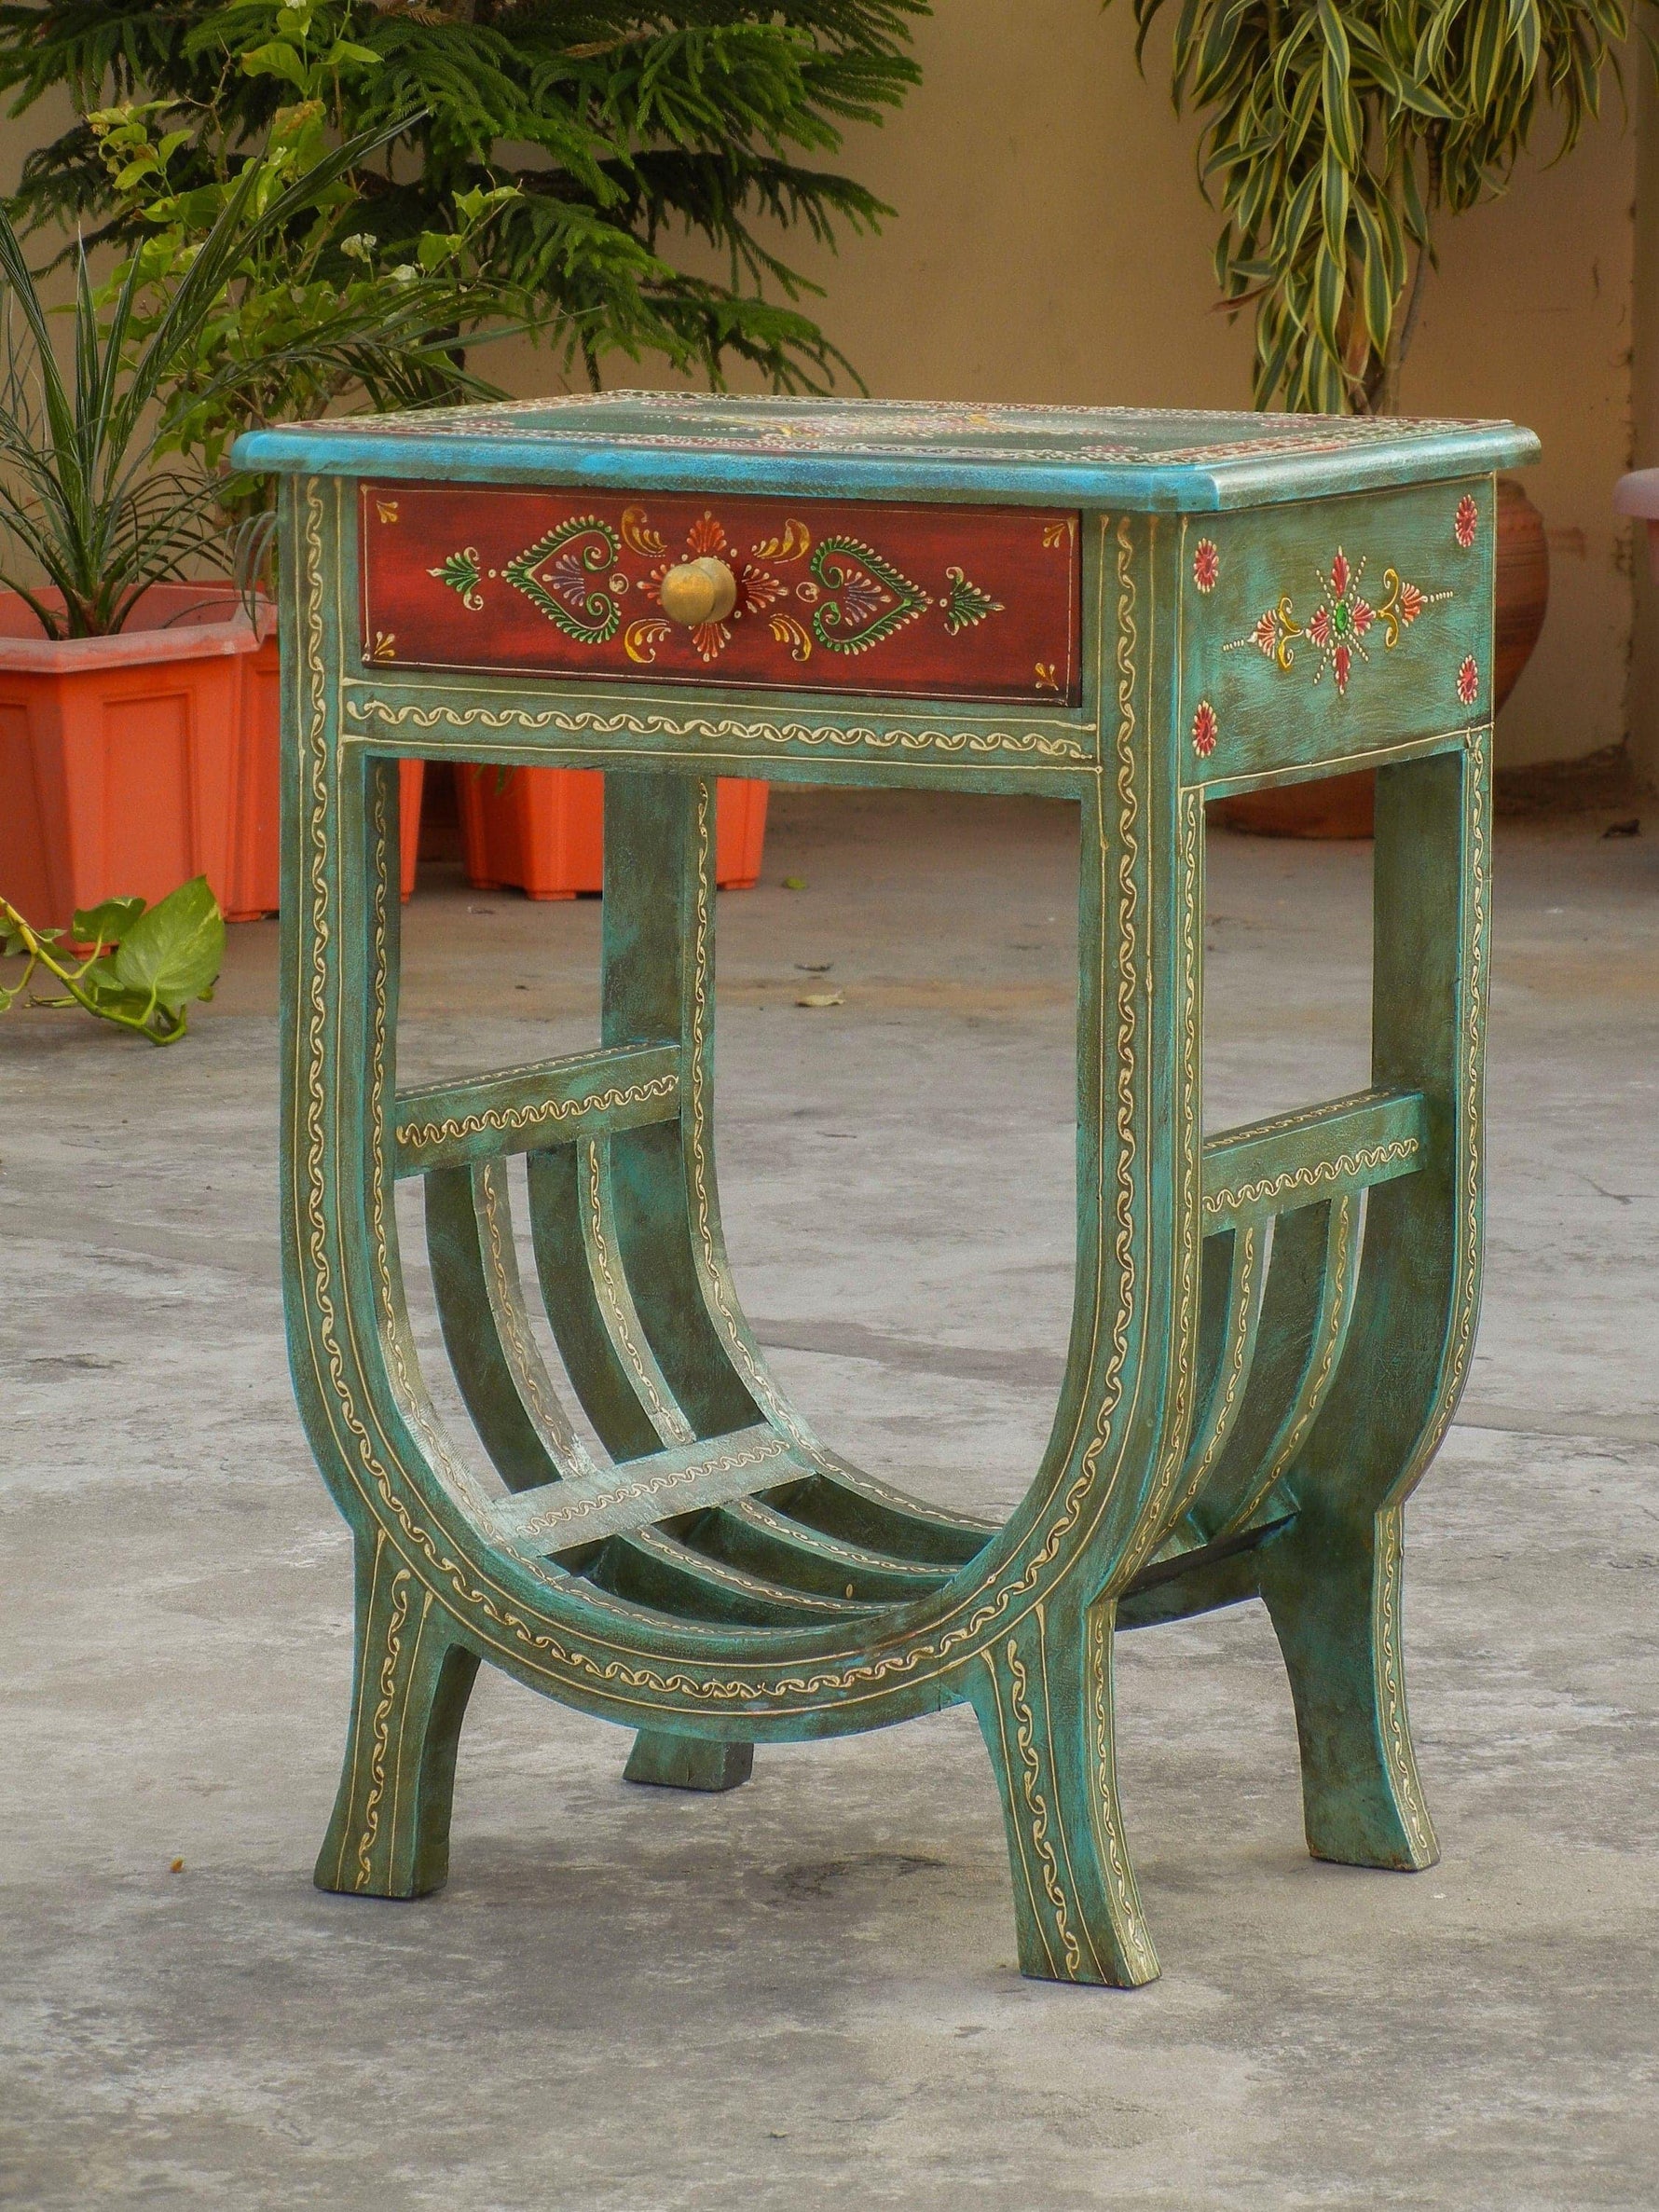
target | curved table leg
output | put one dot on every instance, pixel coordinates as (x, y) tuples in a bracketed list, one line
[(1332, 1586), (1043, 1695), (1332, 1582), (389, 1836)]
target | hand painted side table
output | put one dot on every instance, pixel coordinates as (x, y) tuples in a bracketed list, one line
[(1272, 1323)]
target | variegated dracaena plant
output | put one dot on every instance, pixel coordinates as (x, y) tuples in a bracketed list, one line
[(1337, 133)]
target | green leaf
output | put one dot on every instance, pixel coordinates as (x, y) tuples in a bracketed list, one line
[(106, 923), (1328, 288), (1486, 54), (1422, 101), (113, 1000), (276, 58), (1333, 195), (1377, 287), (1338, 107), (1294, 219), (174, 952)]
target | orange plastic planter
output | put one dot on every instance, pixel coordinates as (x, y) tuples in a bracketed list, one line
[(119, 756), (129, 765), (543, 829)]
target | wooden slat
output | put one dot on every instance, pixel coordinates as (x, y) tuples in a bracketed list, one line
[(748, 1534), (1231, 1314), (524, 1109), (559, 1515), (1304, 1316), (843, 1500), (1327, 1337), (1291, 1160), (652, 1568), (560, 1183), (1199, 1580), (512, 1397), (614, 1297)]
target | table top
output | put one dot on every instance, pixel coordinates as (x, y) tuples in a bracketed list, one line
[(1130, 458)]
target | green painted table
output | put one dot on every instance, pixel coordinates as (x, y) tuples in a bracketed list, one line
[(1272, 1323)]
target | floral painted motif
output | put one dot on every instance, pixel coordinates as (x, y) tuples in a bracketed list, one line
[(1466, 521), (461, 573), (1469, 681), (850, 594), (1205, 730), (559, 575), (757, 587), (1344, 618), (1401, 604), (965, 603), (1206, 565)]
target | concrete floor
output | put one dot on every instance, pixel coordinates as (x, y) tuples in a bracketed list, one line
[(803, 1994)]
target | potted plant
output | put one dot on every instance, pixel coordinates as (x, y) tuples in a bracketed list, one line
[(313, 311), (140, 681), (593, 152), (124, 678), (1335, 140), (119, 679), (627, 138)]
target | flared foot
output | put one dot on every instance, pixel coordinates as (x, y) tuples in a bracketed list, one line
[(1044, 1698), (1333, 1587), (669, 1762), (389, 1833)]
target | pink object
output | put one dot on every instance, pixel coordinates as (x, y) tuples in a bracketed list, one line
[(1638, 494)]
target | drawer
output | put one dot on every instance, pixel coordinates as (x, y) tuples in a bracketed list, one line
[(1316, 632), (908, 601)]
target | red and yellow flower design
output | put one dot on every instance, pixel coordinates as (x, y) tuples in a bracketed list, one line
[(1337, 630), (1206, 565), (1466, 521), (757, 587), (1205, 730)]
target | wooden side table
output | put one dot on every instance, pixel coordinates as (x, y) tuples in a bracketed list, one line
[(1272, 1323)]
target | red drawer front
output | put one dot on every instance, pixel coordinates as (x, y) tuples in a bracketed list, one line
[(941, 602)]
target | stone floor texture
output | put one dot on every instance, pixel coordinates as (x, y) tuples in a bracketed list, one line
[(803, 1994)]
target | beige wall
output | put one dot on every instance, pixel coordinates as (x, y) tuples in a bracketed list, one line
[(1051, 243)]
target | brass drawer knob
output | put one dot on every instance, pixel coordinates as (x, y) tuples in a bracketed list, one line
[(699, 591)]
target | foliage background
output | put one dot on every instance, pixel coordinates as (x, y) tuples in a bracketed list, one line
[(625, 133), (1049, 244)]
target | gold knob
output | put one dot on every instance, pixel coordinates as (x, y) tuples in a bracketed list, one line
[(699, 591)]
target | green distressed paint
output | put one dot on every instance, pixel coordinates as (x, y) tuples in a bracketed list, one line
[(1272, 1326)]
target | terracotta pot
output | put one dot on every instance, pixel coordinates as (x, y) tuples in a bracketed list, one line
[(1342, 805), (1523, 586), (129, 765), (543, 829), (119, 756), (254, 887)]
